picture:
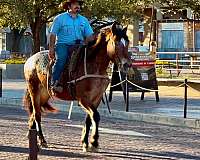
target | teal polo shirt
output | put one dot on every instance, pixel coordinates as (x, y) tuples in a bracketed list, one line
[(69, 29)]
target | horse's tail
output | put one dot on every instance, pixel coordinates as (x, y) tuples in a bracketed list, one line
[(29, 107), (27, 102), (49, 107)]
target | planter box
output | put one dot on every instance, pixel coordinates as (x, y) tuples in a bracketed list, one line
[(12, 71)]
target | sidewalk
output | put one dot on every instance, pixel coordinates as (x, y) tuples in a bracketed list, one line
[(169, 110)]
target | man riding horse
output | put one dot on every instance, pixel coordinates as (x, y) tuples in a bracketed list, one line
[(90, 79), (68, 29)]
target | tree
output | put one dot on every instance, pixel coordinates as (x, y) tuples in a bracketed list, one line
[(194, 5), (122, 10), (20, 14)]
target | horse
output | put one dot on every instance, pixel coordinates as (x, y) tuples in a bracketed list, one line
[(89, 82)]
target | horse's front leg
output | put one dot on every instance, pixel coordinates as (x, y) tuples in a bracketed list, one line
[(95, 131), (85, 133)]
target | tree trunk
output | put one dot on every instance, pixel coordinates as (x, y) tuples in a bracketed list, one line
[(36, 27), (17, 35), (36, 37)]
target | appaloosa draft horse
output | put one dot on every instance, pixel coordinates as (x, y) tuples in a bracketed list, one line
[(91, 81)]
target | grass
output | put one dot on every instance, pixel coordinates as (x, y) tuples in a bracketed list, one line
[(14, 61)]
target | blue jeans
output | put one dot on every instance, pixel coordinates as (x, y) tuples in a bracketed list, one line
[(61, 54)]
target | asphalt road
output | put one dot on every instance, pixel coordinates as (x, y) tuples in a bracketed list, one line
[(119, 139)]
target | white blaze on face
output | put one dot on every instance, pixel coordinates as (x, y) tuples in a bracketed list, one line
[(123, 42)]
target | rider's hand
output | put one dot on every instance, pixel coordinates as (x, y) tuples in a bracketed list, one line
[(51, 53)]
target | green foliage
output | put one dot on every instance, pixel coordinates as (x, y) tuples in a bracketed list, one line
[(159, 70), (35, 13), (14, 61), (166, 63), (21, 13), (122, 10)]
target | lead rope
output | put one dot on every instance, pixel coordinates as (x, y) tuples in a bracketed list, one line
[(85, 64), (49, 68), (85, 71)]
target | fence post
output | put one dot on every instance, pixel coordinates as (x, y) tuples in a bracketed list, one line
[(33, 147), (142, 96), (185, 98), (127, 94), (1, 82)]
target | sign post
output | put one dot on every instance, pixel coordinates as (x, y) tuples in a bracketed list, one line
[(1, 82)]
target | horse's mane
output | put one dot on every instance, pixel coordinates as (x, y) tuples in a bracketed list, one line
[(97, 45)]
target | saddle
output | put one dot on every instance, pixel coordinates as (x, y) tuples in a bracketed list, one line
[(72, 67), (76, 55)]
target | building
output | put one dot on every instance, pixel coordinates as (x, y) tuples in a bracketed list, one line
[(173, 30)]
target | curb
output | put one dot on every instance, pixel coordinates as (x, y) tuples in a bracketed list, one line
[(150, 118)]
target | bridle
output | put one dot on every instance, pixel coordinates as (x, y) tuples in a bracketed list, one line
[(117, 44)]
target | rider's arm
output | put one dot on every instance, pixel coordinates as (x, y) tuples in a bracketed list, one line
[(89, 33), (52, 39)]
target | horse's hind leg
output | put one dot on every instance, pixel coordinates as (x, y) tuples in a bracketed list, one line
[(35, 119), (85, 132)]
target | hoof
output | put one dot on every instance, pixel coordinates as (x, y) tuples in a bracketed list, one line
[(85, 148), (39, 148), (28, 135), (93, 149), (44, 144)]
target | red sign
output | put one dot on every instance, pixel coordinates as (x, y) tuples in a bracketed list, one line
[(143, 63)]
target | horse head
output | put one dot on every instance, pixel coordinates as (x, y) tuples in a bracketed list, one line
[(117, 46)]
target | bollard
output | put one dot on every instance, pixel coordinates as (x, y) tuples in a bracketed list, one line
[(157, 96), (33, 148), (185, 98), (0, 82), (127, 94), (142, 96)]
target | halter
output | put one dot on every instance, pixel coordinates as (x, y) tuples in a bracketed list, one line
[(116, 56)]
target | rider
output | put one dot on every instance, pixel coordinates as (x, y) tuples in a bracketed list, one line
[(68, 28)]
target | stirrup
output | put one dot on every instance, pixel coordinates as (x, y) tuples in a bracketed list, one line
[(56, 88)]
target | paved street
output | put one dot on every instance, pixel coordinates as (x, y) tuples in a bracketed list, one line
[(171, 100), (141, 140)]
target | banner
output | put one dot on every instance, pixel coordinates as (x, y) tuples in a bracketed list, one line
[(144, 73)]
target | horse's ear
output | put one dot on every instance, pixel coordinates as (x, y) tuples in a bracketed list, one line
[(125, 29), (114, 28)]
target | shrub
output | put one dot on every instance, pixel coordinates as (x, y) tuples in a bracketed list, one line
[(14, 61)]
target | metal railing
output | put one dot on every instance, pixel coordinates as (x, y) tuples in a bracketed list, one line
[(187, 63)]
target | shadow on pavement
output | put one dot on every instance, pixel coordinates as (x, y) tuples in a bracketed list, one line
[(149, 154), (44, 152)]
